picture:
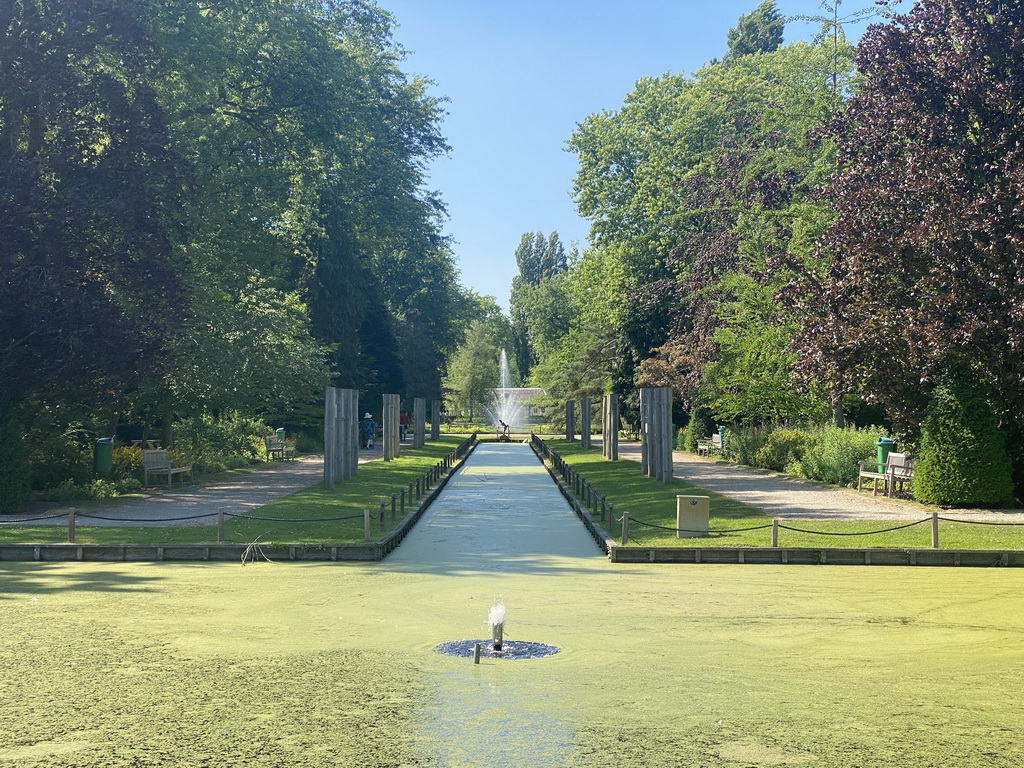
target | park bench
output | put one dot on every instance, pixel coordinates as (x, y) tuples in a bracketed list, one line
[(278, 450), (710, 446), (158, 462), (897, 470)]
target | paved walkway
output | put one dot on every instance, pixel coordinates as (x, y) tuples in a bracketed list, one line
[(794, 499)]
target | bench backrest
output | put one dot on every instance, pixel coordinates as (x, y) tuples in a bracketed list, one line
[(272, 441), (156, 459), (899, 465)]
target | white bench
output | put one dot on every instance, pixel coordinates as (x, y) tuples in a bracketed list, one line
[(710, 446), (897, 470), (159, 463)]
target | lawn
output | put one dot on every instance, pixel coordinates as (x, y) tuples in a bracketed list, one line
[(317, 665), (307, 517), (654, 502)]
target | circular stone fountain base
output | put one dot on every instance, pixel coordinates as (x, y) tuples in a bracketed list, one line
[(510, 649)]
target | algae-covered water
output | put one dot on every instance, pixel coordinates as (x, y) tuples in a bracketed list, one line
[(334, 664)]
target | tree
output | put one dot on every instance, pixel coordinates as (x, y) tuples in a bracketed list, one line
[(922, 264), (473, 373), (760, 31), (540, 260)]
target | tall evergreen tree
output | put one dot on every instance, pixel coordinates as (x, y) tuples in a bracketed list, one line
[(759, 31)]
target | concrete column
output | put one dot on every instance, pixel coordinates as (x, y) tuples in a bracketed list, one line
[(585, 419), (419, 418), (570, 420)]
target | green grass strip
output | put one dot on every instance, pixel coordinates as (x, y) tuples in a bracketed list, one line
[(373, 483), (651, 501)]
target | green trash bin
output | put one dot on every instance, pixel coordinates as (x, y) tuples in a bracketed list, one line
[(103, 456), (280, 434), (885, 446)]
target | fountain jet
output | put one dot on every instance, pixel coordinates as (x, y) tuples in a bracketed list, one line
[(496, 621)]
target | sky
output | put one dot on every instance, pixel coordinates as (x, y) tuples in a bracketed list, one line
[(520, 76)]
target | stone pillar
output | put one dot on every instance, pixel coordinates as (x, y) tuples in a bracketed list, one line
[(610, 426), (391, 411), (419, 422), (585, 419), (570, 420), (435, 420)]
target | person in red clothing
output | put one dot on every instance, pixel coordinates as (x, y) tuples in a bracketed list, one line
[(403, 425)]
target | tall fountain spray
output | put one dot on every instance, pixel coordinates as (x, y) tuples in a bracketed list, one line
[(507, 412), (496, 621)]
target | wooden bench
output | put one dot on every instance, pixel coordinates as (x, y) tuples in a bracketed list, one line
[(710, 446), (277, 450), (897, 470), (158, 462)]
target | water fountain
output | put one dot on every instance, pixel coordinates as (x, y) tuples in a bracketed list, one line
[(508, 409), (497, 647)]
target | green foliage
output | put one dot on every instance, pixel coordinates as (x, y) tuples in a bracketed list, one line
[(14, 472), (743, 444), (702, 424), (962, 459), (128, 462), (834, 454), (221, 443), (782, 448), (759, 31)]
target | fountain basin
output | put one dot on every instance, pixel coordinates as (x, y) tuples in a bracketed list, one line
[(510, 649)]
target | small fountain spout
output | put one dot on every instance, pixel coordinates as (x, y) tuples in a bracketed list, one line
[(496, 620)]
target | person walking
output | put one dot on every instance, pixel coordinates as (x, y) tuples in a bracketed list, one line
[(367, 429)]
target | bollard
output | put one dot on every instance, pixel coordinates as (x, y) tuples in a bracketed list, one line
[(775, 533), (393, 500), (602, 507), (380, 519), (625, 528), (410, 495), (476, 654), (71, 526), (220, 525), (935, 530), (366, 525)]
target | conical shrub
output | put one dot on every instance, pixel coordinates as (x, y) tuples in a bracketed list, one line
[(963, 459)]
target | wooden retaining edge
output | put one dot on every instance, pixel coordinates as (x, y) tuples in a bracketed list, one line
[(137, 553), (968, 558), (600, 536)]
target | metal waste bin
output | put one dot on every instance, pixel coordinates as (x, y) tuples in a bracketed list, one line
[(884, 446), (103, 456)]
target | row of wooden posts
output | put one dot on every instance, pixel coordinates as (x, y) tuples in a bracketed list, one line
[(655, 429), (342, 424)]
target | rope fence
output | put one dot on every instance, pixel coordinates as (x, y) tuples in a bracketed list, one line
[(398, 501), (598, 505)]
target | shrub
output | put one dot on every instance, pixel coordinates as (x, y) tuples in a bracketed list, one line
[(205, 438), (682, 439), (700, 428), (963, 460), (127, 462), (832, 455), (14, 477), (742, 444), (782, 448)]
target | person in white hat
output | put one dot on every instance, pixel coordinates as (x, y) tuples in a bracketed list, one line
[(367, 430)]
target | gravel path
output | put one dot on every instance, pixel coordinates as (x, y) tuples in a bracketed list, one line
[(794, 499)]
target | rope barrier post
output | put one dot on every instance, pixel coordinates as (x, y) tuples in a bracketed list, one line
[(393, 513), (402, 507), (602, 506), (775, 533), (935, 530), (71, 526), (410, 494), (625, 528), (380, 518), (220, 525), (366, 525)]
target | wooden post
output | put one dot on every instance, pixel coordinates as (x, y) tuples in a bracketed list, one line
[(393, 511), (220, 525), (71, 526), (366, 525), (585, 420), (390, 419), (330, 444), (419, 418), (435, 420), (625, 528), (935, 530), (402, 502), (570, 420), (775, 533), (380, 519)]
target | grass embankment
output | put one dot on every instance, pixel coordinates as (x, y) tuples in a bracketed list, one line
[(306, 517), (655, 503)]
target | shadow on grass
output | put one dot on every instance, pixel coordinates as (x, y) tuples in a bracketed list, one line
[(26, 580)]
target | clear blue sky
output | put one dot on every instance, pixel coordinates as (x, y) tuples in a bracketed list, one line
[(520, 75)]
